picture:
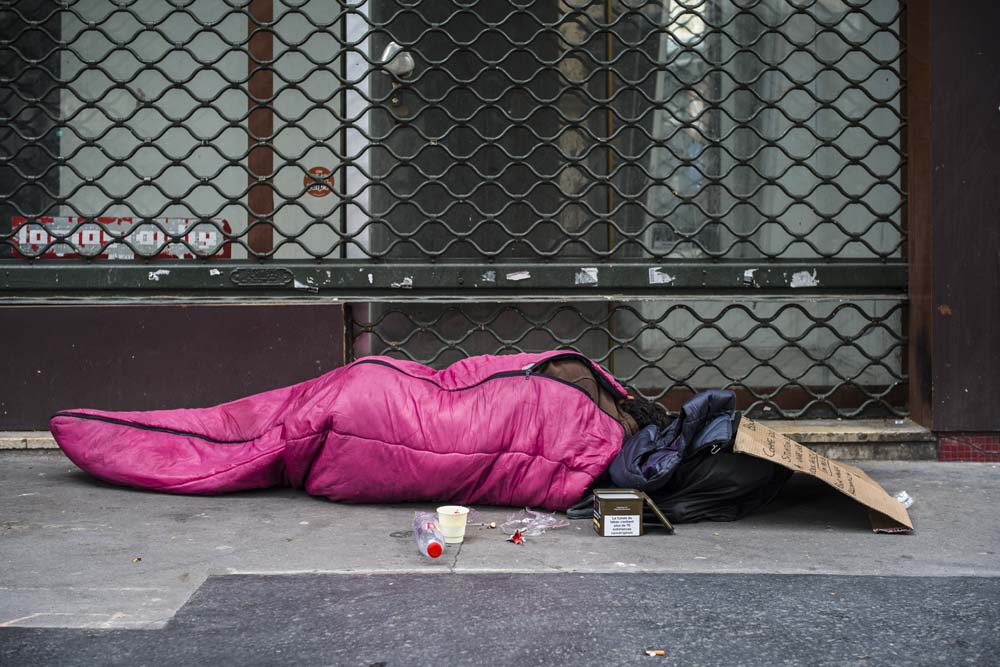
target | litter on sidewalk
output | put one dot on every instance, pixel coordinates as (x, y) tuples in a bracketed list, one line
[(427, 534), (905, 499), (452, 520), (531, 523)]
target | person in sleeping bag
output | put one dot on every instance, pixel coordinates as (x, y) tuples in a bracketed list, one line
[(522, 429)]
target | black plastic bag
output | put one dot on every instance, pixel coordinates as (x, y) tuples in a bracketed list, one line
[(719, 487)]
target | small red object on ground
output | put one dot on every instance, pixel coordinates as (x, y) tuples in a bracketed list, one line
[(516, 538)]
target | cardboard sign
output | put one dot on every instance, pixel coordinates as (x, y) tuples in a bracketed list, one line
[(885, 513)]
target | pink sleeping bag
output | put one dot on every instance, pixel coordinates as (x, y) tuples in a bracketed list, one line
[(486, 429)]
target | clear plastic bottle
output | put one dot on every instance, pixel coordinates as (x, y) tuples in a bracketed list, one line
[(430, 541)]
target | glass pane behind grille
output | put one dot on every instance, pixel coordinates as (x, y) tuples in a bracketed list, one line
[(525, 129), (494, 132), (784, 359)]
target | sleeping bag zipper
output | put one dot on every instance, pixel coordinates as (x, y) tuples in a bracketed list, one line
[(148, 427), (594, 368), (525, 373)]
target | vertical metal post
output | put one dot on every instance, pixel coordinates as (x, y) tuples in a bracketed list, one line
[(348, 333), (714, 129), (260, 126), (609, 167), (342, 133), (917, 220)]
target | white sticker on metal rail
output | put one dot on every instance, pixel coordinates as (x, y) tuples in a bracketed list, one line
[(657, 276), (804, 279), (586, 276), (303, 286), (519, 275), (155, 275)]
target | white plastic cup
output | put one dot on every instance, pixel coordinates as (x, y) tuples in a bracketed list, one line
[(451, 521)]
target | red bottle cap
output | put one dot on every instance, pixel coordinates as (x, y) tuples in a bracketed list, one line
[(434, 549)]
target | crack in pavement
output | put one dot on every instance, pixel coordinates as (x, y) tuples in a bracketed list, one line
[(454, 563)]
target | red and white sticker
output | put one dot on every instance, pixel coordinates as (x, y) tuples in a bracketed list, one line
[(70, 237), (319, 182)]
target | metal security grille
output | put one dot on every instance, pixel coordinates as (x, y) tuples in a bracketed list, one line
[(641, 158), (827, 358)]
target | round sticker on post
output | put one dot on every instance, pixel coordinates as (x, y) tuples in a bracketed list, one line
[(319, 182)]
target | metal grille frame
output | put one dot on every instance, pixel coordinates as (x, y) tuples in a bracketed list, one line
[(648, 157), (830, 358)]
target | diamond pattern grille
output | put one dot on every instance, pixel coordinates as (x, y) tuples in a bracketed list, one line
[(783, 358), (486, 131), (524, 128)]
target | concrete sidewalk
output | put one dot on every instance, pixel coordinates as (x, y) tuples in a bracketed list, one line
[(75, 552)]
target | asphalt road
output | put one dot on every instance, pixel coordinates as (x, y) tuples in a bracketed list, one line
[(550, 619)]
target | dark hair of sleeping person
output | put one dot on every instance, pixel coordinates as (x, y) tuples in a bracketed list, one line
[(646, 412)]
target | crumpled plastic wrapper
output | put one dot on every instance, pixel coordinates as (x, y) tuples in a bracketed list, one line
[(905, 499), (531, 523)]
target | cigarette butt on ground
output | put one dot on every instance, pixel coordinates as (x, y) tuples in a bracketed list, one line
[(655, 651)]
